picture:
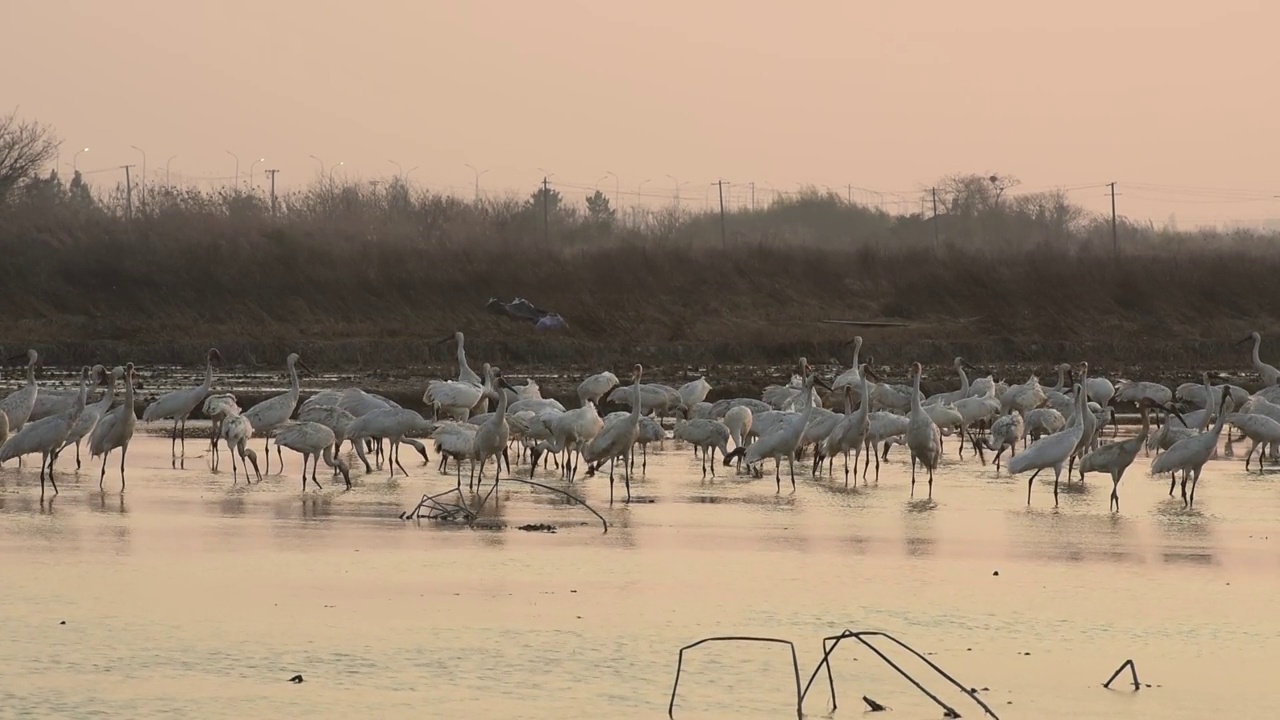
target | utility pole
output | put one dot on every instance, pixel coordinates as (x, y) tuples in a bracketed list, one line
[(546, 211), (128, 192), (753, 196), (272, 172), (724, 243), (934, 191), (1115, 244), (848, 189)]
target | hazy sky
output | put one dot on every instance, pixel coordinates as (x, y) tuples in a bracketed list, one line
[(890, 96)]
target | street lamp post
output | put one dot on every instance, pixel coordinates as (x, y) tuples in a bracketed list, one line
[(320, 163), (399, 170), (255, 162), (478, 173), (166, 171), (410, 172), (677, 182), (640, 188), (337, 164), (607, 173), (142, 187), (76, 157), (236, 183)]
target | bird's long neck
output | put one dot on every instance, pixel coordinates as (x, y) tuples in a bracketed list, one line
[(110, 395), (1145, 430), (1209, 404), (127, 407), (964, 380), (864, 405), (31, 374), (294, 387), (501, 412), (915, 392), (1062, 379), (1257, 344), (857, 350), (82, 396), (208, 373), (635, 401)]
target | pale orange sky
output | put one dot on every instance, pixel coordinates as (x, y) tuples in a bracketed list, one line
[(888, 95)]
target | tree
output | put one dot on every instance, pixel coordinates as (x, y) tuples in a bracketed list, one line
[(598, 208), (544, 195), (25, 147)]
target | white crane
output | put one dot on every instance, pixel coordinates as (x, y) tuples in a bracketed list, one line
[(1043, 421), (179, 404), (1259, 429), (236, 431), (1269, 374), (882, 426), (115, 430), (783, 440), (51, 402), (617, 439), (393, 425), (596, 387), (1088, 424), (465, 373), (1116, 457), (850, 432), (528, 391), (314, 441), (1051, 451), (1005, 433), (89, 418), (457, 398), (336, 419), (218, 408), (955, 395), (19, 403), (924, 440), (493, 435), (976, 410), (458, 441), (270, 414), (706, 434), (1024, 397), (851, 378), (1190, 454), (47, 436), (694, 392)]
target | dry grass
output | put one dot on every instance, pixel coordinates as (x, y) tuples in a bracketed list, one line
[(368, 277)]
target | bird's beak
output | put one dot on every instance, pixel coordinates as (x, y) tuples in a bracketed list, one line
[(1174, 410), (872, 374), (306, 367), (503, 382), (970, 367), (444, 340), (1245, 340)]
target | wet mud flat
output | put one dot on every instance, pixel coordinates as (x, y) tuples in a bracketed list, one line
[(189, 596)]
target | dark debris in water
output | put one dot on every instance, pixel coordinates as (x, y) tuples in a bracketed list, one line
[(538, 527), (296, 679)]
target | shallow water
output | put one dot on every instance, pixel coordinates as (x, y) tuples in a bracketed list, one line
[(187, 596)]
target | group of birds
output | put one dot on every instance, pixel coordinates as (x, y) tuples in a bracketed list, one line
[(1058, 427)]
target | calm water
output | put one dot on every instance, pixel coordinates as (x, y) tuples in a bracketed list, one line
[(189, 597)]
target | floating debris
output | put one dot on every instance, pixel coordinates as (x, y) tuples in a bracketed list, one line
[(538, 527), (296, 679), (1133, 670)]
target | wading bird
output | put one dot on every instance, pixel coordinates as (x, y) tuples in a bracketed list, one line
[(1116, 457), (236, 431), (596, 387), (707, 435), (115, 430), (617, 439), (179, 404), (47, 436), (1190, 454), (1051, 451), (924, 440), (1269, 374), (91, 415), (313, 441), (783, 439), (274, 412), (19, 403)]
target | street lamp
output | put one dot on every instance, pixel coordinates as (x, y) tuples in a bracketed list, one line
[(607, 173), (399, 170), (255, 162), (406, 175), (236, 184), (478, 173), (74, 157), (331, 167), (320, 163), (677, 182), (640, 188), (142, 187), (166, 170)]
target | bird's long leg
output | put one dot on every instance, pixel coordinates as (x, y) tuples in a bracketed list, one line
[(846, 466), (183, 435), (279, 459), (777, 473), (1057, 470), (630, 457), (1115, 488), (713, 460), (913, 473), (1195, 480), (234, 479), (41, 474), (315, 460), (124, 450), (397, 449), (704, 462), (173, 439), (1185, 475), (304, 472), (102, 477), (266, 450), (930, 482), (644, 454), (1029, 481), (791, 467)]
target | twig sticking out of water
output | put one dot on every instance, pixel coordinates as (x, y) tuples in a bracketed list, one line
[(872, 705), (1133, 670), (795, 666), (829, 645), (438, 510)]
